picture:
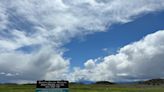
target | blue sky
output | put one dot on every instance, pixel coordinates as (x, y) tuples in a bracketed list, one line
[(115, 37), (74, 40)]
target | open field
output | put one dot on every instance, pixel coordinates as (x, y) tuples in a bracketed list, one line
[(89, 88)]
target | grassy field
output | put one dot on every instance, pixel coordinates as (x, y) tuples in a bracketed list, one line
[(88, 88)]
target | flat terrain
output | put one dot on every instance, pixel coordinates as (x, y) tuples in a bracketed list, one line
[(89, 88)]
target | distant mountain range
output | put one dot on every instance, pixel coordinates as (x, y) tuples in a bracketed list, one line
[(146, 82), (92, 82)]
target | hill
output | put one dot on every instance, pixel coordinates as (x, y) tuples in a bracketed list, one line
[(153, 82), (104, 82)]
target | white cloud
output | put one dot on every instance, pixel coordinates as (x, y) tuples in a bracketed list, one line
[(137, 61), (90, 64), (45, 64), (3, 17), (49, 24)]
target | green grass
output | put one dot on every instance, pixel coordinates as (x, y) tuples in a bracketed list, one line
[(116, 88), (17, 88), (89, 88)]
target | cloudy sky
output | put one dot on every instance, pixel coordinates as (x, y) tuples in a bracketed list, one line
[(77, 40)]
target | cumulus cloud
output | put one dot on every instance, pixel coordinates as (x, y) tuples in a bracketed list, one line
[(44, 26), (45, 64), (136, 61), (89, 64)]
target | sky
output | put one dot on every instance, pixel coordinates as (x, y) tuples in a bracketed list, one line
[(75, 40), (116, 36)]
